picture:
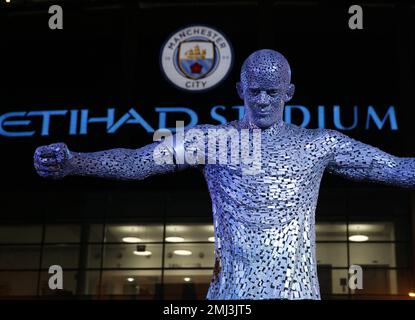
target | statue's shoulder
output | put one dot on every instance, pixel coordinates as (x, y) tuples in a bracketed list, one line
[(329, 136), (300, 132)]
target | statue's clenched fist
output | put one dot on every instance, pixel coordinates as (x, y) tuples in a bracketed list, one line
[(53, 161)]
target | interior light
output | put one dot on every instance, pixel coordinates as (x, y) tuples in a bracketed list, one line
[(187, 279), (358, 238), (174, 239), (143, 253), (211, 239), (131, 239), (182, 252), (130, 279), (411, 294)]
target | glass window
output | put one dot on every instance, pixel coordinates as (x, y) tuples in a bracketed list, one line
[(132, 255), (69, 256), (381, 254), (373, 231), (69, 284), (140, 284), (186, 284), (190, 255), (66, 256), (21, 283), (333, 254), (93, 255), (376, 281), (21, 234), (339, 281), (95, 233), (62, 233), (134, 233), (189, 232), (331, 231), (381, 281), (91, 283), (332, 281), (81, 282), (19, 257)]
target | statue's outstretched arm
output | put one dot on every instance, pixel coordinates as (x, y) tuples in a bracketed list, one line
[(56, 161), (358, 161)]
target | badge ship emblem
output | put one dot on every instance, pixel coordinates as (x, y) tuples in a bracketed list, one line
[(196, 59)]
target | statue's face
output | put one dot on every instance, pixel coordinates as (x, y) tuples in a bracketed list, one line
[(265, 87)]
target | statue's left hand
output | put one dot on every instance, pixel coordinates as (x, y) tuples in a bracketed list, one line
[(53, 161)]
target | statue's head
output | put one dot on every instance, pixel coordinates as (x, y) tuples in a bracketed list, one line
[(265, 87)]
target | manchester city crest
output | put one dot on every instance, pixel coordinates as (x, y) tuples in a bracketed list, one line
[(196, 58)]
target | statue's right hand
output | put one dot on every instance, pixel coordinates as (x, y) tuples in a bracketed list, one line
[(53, 161)]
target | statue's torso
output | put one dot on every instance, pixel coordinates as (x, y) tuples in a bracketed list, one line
[(264, 222)]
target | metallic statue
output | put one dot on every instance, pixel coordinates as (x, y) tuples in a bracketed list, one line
[(264, 223)]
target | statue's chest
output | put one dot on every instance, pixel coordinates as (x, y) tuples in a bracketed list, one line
[(281, 170)]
